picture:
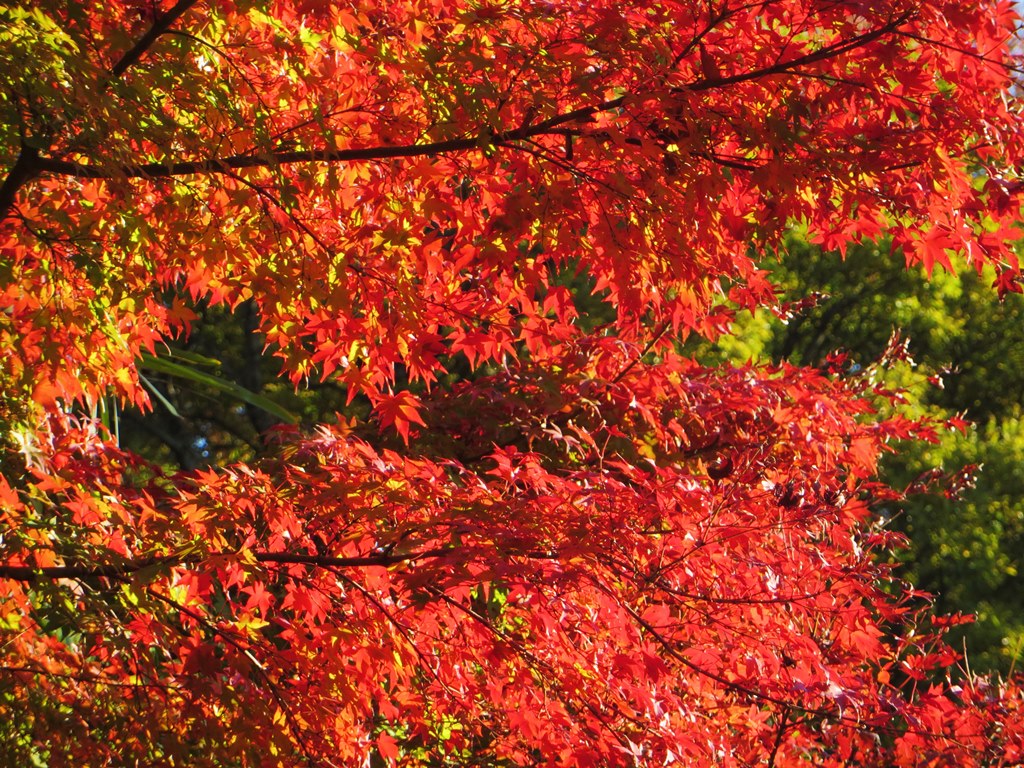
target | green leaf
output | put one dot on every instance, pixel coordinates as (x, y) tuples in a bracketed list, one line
[(171, 368), (159, 396), (193, 357)]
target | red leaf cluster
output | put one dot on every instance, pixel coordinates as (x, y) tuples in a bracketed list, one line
[(587, 551)]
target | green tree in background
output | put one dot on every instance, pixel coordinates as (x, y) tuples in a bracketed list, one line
[(966, 544)]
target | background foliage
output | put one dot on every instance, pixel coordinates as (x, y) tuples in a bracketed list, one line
[(965, 358)]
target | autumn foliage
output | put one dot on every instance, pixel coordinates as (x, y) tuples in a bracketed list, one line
[(585, 549)]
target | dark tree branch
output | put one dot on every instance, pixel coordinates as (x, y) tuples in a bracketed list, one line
[(25, 168), (658, 333), (27, 165), (160, 25), (780, 734), (226, 165), (120, 570), (40, 671), (29, 573)]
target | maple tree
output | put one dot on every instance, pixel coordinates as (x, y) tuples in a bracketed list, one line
[(589, 550)]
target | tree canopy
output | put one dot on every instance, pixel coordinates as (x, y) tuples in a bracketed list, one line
[(528, 536)]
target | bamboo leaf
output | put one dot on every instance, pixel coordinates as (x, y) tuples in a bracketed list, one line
[(159, 396), (202, 378)]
